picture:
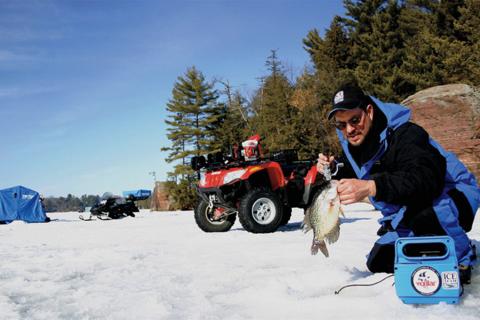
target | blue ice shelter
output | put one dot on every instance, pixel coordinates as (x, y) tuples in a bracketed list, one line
[(20, 203)]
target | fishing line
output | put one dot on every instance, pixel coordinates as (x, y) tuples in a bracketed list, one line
[(363, 285)]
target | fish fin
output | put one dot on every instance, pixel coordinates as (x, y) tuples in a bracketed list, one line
[(334, 234), (306, 225), (319, 244), (306, 228)]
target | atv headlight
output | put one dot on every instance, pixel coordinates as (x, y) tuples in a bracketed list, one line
[(234, 175)]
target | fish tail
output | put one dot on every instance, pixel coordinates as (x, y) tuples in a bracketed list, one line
[(319, 245)]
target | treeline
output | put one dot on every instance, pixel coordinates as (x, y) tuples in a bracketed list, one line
[(392, 49), (70, 203)]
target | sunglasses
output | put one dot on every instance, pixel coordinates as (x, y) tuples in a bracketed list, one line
[(353, 121)]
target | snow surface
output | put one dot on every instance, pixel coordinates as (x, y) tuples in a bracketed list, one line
[(160, 265)]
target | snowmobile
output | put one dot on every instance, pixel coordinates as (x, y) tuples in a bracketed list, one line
[(260, 189), (117, 207)]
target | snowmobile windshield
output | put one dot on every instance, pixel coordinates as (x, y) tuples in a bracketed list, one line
[(107, 195)]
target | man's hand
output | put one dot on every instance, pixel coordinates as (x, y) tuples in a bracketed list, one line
[(354, 190), (322, 161)]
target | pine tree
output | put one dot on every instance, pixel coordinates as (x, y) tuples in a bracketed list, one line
[(235, 126), (213, 129), (335, 64), (467, 27), (192, 110), (446, 13), (274, 118), (377, 45), (182, 194), (193, 114), (332, 58), (445, 54), (467, 24), (313, 44), (313, 132), (360, 23)]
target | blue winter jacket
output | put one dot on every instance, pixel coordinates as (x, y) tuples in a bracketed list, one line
[(457, 177)]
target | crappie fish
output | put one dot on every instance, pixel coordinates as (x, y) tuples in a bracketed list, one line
[(323, 217)]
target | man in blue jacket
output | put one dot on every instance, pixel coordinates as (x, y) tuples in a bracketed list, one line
[(420, 188)]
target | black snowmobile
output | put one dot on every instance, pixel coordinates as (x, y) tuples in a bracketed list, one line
[(116, 207)]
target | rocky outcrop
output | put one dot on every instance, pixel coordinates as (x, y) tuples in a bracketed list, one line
[(451, 115), (160, 199)]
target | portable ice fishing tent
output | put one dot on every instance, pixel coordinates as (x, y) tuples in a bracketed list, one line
[(20, 203)]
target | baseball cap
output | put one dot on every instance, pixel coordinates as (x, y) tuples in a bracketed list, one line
[(347, 98)]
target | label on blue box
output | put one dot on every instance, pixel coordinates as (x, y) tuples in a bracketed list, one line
[(450, 280), (426, 280)]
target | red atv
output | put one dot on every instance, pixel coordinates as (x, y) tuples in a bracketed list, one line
[(260, 190)]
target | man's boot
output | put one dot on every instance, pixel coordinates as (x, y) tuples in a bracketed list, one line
[(465, 274)]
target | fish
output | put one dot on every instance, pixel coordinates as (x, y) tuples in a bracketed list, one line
[(323, 217)]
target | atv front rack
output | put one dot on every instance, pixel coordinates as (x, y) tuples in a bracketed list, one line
[(214, 198)]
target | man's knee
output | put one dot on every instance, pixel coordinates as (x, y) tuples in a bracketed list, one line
[(381, 258), (424, 223)]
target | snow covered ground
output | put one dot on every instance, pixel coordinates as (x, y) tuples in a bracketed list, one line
[(160, 265)]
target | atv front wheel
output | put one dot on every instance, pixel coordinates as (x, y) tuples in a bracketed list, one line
[(260, 211), (204, 217)]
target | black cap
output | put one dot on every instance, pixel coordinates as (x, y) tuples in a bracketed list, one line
[(347, 98)]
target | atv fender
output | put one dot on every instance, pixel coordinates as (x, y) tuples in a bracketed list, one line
[(266, 174), (313, 180)]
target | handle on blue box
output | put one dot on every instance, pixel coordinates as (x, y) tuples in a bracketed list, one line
[(443, 248)]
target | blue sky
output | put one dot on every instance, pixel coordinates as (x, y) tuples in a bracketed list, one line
[(84, 84)]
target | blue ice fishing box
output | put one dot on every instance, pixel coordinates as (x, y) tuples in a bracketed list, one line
[(426, 270), (137, 194)]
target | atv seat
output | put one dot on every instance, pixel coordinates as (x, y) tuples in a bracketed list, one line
[(286, 159), (287, 169), (299, 169)]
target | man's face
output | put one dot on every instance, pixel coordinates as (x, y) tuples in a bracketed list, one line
[(354, 124)]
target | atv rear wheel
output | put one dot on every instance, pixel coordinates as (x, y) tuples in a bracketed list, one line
[(260, 211), (204, 217)]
